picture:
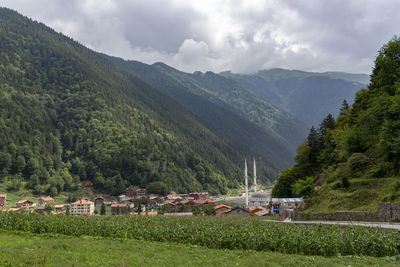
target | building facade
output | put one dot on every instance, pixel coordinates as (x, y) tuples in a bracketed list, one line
[(82, 207)]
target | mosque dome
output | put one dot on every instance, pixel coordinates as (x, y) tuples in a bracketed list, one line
[(259, 195)]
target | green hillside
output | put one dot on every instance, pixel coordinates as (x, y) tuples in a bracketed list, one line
[(355, 158), (68, 115), (308, 96)]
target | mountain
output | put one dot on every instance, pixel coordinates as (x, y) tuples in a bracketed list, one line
[(306, 95), (352, 162), (227, 107), (69, 115)]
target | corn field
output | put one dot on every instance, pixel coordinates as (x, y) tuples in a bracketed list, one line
[(223, 233)]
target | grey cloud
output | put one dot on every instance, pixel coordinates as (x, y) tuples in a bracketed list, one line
[(240, 35)]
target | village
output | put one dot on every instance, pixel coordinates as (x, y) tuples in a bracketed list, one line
[(139, 202)]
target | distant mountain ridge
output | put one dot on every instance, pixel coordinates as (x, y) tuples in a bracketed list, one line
[(308, 96)]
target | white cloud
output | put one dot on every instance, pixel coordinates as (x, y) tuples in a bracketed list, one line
[(240, 35)]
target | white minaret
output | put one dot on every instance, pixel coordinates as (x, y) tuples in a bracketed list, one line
[(255, 176), (246, 184)]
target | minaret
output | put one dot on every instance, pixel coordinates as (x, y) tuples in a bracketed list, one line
[(246, 184), (255, 176)]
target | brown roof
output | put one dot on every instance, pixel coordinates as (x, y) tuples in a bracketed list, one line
[(23, 201), (222, 206), (82, 201), (47, 198)]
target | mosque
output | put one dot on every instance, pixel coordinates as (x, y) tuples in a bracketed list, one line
[(258, 198)]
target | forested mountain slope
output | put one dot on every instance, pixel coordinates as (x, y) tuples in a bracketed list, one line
[(229, 108), (306, 95), (68, 115), (353, 162)]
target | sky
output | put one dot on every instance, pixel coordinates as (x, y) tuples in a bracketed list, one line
[(243, 36)]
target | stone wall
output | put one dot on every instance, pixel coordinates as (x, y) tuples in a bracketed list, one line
[(387, 212)]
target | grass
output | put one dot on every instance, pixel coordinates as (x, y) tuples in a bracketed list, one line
[(24, 249), (363, 194)]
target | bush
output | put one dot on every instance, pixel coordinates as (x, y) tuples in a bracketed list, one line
[(358, 161)]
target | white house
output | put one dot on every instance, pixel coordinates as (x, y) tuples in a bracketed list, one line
[(82, 207)]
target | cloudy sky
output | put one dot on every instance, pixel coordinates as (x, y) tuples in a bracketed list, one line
[(239, 35)]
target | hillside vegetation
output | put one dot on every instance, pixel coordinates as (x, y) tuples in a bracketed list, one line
[(355, 158), (68, 115)]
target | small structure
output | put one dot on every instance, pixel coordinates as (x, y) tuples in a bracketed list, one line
[(41, 210), (253, 210), (201, 195), (82, 207), (24, 204), (119, 208), (123, 198), (259, 199), (140, 192), (264, 212), (238, 211), (220, 210), (60, 207), (3, 201), (130, 192), (45, 200), (99, 201)]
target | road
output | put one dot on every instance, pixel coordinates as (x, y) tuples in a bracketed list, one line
[(383, 225)]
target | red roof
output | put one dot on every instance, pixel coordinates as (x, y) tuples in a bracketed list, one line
[(47, 198), (200, 201), (3, 195), (169, 201), (222, 206), (211, 201), (82, 201)]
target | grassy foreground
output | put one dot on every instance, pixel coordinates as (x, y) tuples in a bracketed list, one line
[(25, 249)]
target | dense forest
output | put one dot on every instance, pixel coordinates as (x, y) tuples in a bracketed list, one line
[(354, 159)]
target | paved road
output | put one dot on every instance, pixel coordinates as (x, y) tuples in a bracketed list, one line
[(384, 225)]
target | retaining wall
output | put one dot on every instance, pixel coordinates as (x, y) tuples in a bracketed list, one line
[(387, 212)]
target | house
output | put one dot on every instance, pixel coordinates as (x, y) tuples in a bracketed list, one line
[(119, 208), (99, 201), (253, 210), (130, 192), (200, 202), (220, 210), (123, 198), (292, 203), (82, 207), (45, 200), (60, 207), (259, 199), (261, 213), (3, 200), (201, 195), (24, 204), (140, 192), (238, 211)]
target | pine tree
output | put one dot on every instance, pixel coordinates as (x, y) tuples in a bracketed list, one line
[(345, 107)]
